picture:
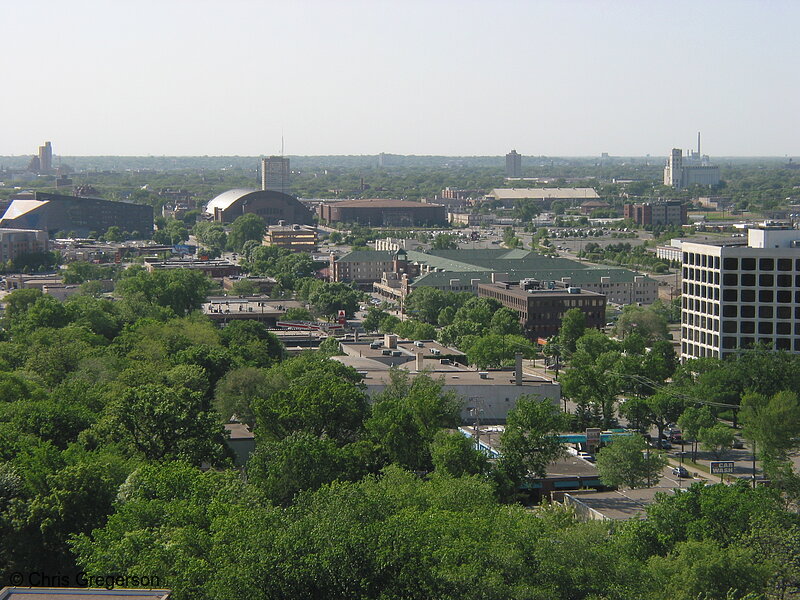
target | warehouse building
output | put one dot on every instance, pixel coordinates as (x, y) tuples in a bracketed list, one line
[(383, 213)]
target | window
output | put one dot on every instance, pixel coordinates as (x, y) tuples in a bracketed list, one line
[(765, 327), (729, 295), (784, 264), (747, 327), (766, 280), (748, 279), (783, 328), (784, 312), (730, 264), (764, 312), (729, 310), (766, 264), (784, 280), (730, 279), (748, 296), (765, 296), (748, 264), (729, 327)]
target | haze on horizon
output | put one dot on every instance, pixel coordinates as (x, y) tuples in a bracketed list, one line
[(418, 77)]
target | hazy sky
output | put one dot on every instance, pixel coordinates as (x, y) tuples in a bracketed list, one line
[(561, 77)]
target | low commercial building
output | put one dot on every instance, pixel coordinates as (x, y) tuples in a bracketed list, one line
[(380, 212), (542, 196), (297, 238), (16, 242), (542, 307), (226, 309), (492, 392), (216, 269)]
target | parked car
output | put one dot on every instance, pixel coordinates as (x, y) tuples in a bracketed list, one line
[(663, 445), (586, 456), (738, 443), (681, 472)]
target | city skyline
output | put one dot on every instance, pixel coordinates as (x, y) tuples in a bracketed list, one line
[(445, 78)]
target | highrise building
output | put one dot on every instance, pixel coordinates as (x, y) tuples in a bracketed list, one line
[(46, 158), (275, 174), (513, 164), (737, 295)]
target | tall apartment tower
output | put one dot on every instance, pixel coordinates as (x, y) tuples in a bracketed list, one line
[(736, 295), (275, 174), (46, 158), (513, 164)]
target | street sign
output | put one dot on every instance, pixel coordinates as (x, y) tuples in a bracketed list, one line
[(719, 467)]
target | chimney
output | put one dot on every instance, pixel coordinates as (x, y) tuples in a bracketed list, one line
[(420, 362), (518, 370)]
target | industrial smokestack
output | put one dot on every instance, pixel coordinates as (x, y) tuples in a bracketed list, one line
[(698, 143), (518, 370)]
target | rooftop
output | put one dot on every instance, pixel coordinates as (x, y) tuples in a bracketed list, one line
[(383, 203), (619, 505), (543, 193)]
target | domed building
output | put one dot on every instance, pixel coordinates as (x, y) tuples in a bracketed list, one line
[(270, 205)]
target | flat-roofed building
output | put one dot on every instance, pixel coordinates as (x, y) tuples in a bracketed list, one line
[(380, 212), (542, 196), (666, 212), (736, 296), (297, 238), (217, 268), (541, 308), (16, 242), (492, 392)]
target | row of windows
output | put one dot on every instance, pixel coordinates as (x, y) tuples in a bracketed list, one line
[(701, 260), (703, 291), (781, 296), (765, 327), (764, 280), (704, 337), (700, 321), (731, 343), (701, 275), (732, 263), (701, 306), (748, 311), (764, 264), (697, 351)]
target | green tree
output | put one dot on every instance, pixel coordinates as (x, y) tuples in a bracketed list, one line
[(445, 241), (626, 462), (717, 439), (530, 441), (494, 350), (180, 290), (455, 455), (162, 423), (773, 423), (573, 326), (692, 421), (245, 228), (328, 299), (406, 416)]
